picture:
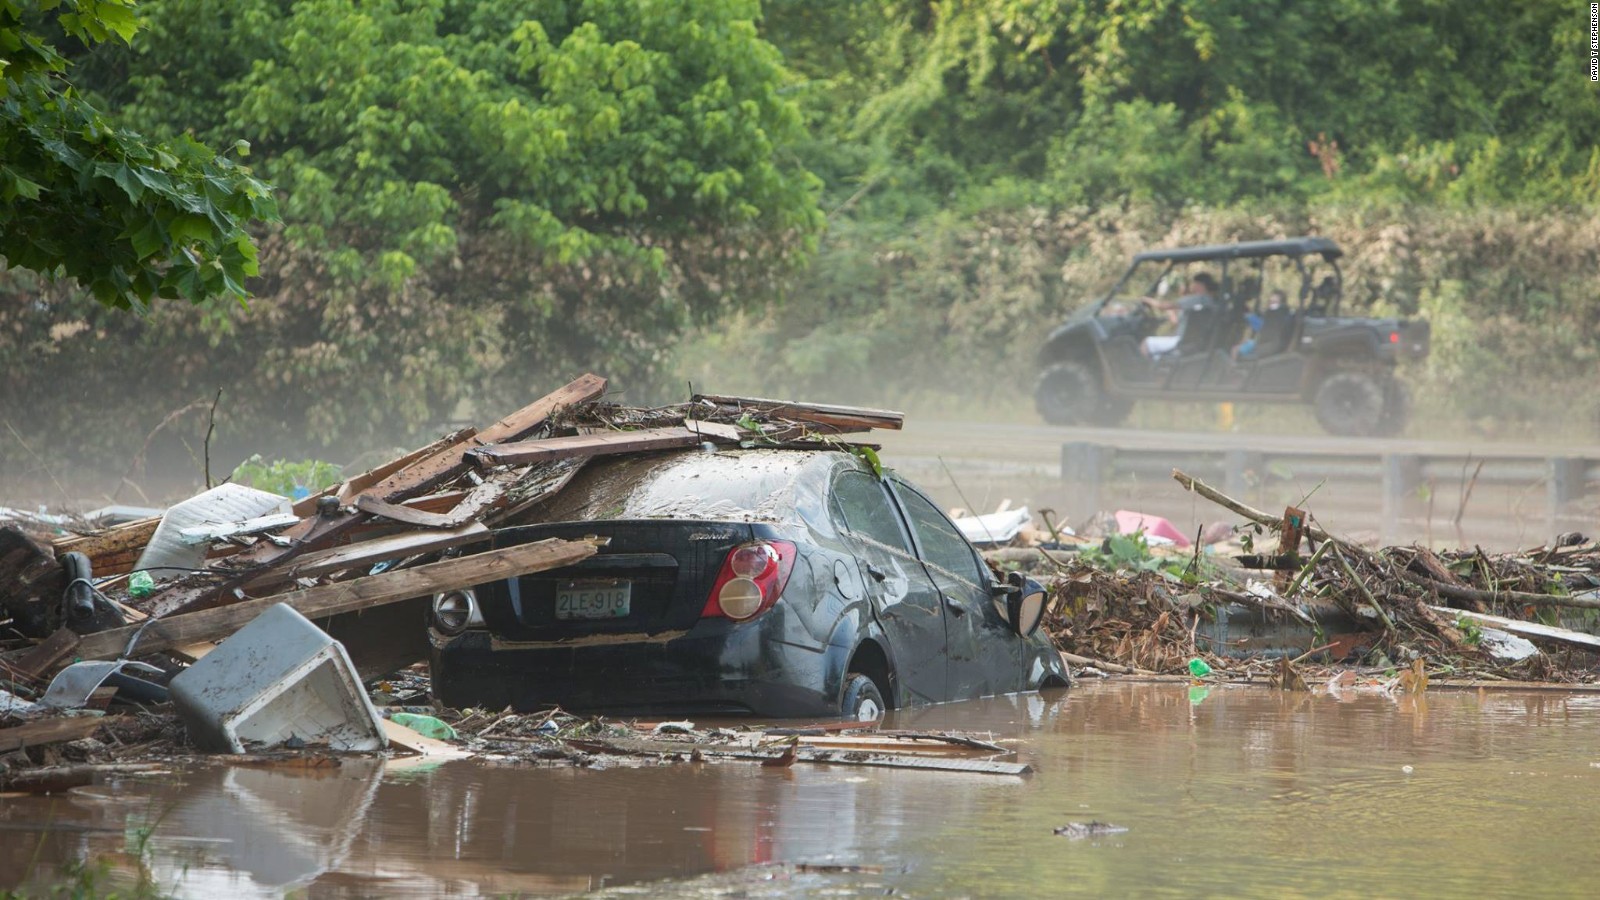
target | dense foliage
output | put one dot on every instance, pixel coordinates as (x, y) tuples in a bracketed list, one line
[(1177, 101), (80, 194), (478, 197)]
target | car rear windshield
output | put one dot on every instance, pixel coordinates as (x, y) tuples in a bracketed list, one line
[(735, 485)]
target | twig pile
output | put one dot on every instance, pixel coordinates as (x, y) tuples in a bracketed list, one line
[(1148, 620)]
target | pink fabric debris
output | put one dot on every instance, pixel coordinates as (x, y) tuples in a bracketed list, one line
[(1129, 522)]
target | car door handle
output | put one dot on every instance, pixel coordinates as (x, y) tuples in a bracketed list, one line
[(877, 573), (957, 608)]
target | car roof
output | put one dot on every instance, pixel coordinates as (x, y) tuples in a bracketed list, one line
[(1300, 246), (748, 485)]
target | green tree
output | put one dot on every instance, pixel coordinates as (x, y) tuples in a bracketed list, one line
[(130, 219), (479, 198), (1443, 99)]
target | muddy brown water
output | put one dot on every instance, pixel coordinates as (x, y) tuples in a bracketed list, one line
[(1231, 791)]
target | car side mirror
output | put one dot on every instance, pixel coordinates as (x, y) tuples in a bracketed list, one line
[(1021, 603)]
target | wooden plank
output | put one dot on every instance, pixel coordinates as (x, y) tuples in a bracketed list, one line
[(1291, 532), (405, 515), (52, 779), (720, 432), (341, 597), (350, 487), (409, 739), (368, 553), (481, 498), (587, 445), (1533, 631), (442, 502), (901, 761), (804, 754), (842, 418), (34, 662), (890, 745), (318, 532), (48, 731), (130, 537)]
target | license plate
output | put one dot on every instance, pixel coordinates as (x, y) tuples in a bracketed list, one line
[(598, 598)]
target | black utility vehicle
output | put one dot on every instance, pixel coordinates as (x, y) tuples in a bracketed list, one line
[(1262, 324), (774, 582)]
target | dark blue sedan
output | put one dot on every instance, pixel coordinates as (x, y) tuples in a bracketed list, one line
[(768, 582)]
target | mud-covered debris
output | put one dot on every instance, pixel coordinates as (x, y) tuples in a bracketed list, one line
[(1081, 830)]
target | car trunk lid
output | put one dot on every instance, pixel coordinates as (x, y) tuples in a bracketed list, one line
[(650, 577)]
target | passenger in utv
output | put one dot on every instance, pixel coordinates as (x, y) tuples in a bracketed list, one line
[(1267, 329)]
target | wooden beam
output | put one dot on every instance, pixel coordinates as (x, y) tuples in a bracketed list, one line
[(1533, 631), (637, 747), (341, 597), (481, 498), (124, 538), (441, 502), (405, 515), (51, 779), (48, 731), (840, 418), (368, 553), (587, 445), (33, 662), (720, 432)]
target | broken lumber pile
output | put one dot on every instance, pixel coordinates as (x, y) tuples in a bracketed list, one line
[(379, 539)]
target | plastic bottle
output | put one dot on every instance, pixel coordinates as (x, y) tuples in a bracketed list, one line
[(141, 585)]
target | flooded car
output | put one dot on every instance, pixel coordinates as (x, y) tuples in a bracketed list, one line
[(758, 581)]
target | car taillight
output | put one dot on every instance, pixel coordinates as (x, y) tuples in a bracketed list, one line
[(752, 578), (1394, 337)]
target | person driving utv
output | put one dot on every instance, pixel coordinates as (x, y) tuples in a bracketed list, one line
[(1198, 295)]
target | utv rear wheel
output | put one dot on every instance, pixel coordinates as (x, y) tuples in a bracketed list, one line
[(1351, 404), (862, 702), (1069, 393)]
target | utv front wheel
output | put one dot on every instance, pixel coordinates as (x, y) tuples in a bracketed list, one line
[(1351, 404), (1069, 393)]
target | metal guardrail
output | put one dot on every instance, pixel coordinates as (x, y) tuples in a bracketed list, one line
[(1567, 481)]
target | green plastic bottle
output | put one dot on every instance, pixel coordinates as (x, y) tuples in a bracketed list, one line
[(1198, 668), (141, 585)]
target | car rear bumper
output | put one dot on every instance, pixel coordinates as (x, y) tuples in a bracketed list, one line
[(718, 667)]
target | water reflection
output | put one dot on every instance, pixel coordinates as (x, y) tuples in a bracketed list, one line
[(1233, 791)]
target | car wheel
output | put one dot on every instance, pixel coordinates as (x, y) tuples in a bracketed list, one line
[(1396, 409), (1068, 393), (862, 702), (1350, 404)]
